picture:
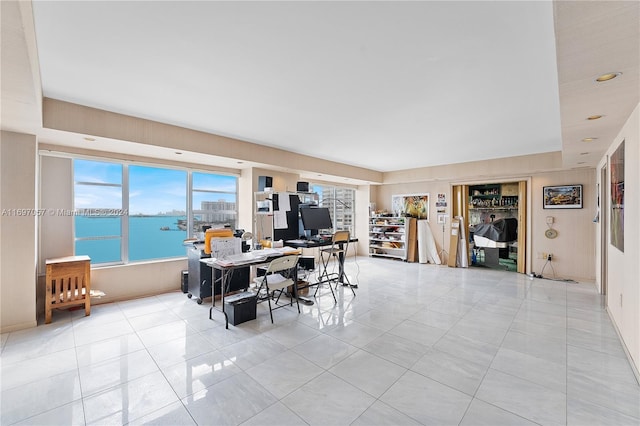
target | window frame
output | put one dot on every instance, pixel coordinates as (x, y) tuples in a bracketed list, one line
[(333, 207), (124, 223)]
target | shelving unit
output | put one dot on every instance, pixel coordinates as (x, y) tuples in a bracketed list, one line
[(388, 237), (490, 197)]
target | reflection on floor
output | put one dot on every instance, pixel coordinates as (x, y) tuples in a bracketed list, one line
[(508, 265), (419, 344)]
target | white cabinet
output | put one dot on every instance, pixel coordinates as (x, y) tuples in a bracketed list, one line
[(388, 237)]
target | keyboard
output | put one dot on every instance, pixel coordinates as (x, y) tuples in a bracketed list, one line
[(296, 241)]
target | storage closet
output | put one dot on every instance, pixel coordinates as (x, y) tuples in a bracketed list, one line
[(496, 225)]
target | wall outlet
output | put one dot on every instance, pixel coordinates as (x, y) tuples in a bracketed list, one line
[(549, 256), (550, 220)]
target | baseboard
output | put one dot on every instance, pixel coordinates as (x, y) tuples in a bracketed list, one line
[(634, 368), (18, 327)]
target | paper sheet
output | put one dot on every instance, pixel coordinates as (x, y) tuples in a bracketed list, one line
[(221, 247), (280, 219), (284, 204)]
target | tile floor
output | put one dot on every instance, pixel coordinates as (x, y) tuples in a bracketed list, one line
[(419, 344)]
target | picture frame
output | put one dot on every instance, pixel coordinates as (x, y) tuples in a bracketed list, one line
[(562, 197), (411, 205)]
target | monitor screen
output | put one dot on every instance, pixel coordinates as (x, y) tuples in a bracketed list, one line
[(316, 218)]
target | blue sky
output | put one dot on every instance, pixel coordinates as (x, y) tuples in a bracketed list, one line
[(152, 190)]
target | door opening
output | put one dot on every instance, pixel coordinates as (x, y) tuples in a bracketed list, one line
[(496, 221), (604, 230)]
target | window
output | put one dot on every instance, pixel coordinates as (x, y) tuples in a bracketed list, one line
[(341, 203), (213, 201), (98, 210), (157, 212), (129, 213)]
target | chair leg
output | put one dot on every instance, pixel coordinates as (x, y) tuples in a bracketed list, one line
[(269, 302), (325, 276), (348, 284)]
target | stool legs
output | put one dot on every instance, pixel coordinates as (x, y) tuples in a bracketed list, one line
[(324, 276)]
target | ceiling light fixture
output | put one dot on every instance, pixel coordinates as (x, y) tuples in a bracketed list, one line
[(582, 162), (589, 139), (608, 76), (595, 117), (178, 153), (584, 153), (88, 139)]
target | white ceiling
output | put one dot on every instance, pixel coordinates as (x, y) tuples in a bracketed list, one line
[(383, 85)]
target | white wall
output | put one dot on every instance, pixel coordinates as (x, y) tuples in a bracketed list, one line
[(573, 249), (18, 243), (623, 294)]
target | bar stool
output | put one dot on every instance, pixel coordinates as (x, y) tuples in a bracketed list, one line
[(339, 247)]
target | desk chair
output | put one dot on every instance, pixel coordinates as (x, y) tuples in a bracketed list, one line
[(278, 278), (338, 248)]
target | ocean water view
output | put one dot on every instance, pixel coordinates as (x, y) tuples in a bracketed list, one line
[(150, 237)]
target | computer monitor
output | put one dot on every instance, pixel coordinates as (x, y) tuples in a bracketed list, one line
[(316, 218)]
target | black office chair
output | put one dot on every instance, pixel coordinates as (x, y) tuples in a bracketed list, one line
[(339, 247), (278, 277)]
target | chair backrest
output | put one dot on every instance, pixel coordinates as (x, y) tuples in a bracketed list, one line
[(283, 263), (341, 237)]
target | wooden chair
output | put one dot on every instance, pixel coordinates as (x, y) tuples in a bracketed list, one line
[(280, 274), (68, 284)]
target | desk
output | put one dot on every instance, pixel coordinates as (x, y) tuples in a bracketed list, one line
[(325, 243), (226, 269)]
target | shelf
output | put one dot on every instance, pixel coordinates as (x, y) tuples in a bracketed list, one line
[(493, 208), (387, 255), (385, 231)]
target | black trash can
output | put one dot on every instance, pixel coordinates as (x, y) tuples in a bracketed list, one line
[(240, 307)]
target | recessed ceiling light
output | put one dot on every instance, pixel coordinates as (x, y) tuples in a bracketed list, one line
[(608, 76), (178, 153), (582, 162), (240, 162), (589, 139), (584, 153), (595, 117), (88, 139)]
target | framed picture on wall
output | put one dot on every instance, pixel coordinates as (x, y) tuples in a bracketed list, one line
[(411, 205), (562, 197), (616, 165)]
